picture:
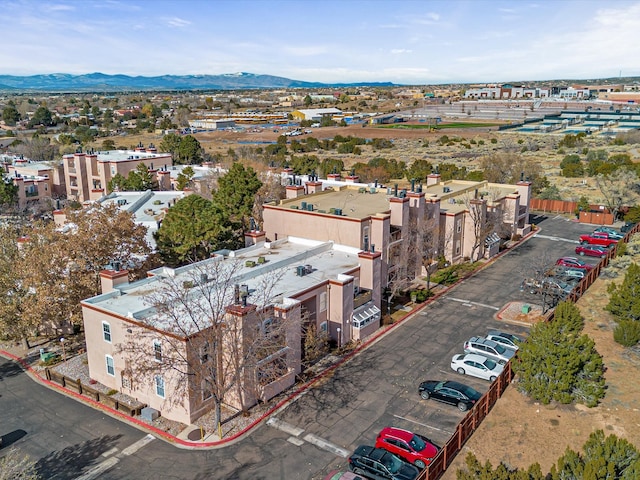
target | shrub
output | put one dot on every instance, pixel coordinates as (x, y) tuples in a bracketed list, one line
[(112, 392), (627, 333)]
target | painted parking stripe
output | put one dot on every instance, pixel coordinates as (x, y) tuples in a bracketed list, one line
[(325, 445), (424, 425), (284, 426), (133, 448), (97, 470), (468, 303), (555, 239)]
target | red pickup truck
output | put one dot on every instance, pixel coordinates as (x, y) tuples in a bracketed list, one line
[(598, 238)]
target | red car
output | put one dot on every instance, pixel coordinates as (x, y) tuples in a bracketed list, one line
[(573, 262), (592, 250), (412, 447), (598, 238)]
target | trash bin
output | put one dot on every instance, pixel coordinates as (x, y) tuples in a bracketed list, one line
[(526, 308)]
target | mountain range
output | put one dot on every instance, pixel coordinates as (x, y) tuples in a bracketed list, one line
[(64, 82)]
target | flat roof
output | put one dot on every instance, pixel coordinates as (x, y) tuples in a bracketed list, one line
[(355, 202), (325, 260), (126, 155)]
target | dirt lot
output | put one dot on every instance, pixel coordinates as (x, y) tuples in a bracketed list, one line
[(520, 432)]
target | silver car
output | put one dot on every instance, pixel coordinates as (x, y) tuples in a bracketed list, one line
[(489, 348), (476, 366)]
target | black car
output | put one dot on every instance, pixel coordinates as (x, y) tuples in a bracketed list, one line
[(377, 463), (627, 226), (453, 393)]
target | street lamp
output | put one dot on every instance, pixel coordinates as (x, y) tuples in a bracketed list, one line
[(339, 338), (64, 352)]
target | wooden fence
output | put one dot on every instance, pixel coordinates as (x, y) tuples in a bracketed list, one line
[(472, 420), (82, 389)]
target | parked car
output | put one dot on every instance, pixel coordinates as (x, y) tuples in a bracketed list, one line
[(557, 287), (453, 393), (378, 463), (476, 366), (343, 476), (574, 262), (627, 226), (409, 446), (507, 340), (566, 272), (598, 238), (532, 285), (612, 232), (592, 250), (489, 349)]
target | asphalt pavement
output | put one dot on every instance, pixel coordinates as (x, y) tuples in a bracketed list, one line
[(317, 431)]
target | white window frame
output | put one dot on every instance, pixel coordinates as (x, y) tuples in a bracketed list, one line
[(159, 385), (157, 350), (111, 367), (322, 300), (324, 327), (106, 332)]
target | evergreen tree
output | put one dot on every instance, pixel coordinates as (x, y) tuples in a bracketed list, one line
[(624, 299), (558, 364), (192, 230), (8, 193), (236, 194), (189, 151)]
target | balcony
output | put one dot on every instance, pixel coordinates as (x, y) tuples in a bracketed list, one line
[(361, 298), (31, 193)]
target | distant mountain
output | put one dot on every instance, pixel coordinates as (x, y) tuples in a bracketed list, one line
[(64, 82)]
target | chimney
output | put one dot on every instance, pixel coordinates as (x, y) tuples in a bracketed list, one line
[(110, 279)]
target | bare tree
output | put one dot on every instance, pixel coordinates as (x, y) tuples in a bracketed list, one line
[(15, 466), (271, 190), (619, 188), (206, 350)]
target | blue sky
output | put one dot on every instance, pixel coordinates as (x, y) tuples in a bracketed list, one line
[(402, 41)]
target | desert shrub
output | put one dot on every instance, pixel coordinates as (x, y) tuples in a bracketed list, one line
[(627, 333)]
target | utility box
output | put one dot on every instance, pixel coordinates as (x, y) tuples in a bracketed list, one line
[(526, 308), (149, 414)]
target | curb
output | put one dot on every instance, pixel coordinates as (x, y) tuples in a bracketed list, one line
[(278, 406)]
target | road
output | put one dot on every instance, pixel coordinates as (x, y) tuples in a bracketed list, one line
[(316, 432)]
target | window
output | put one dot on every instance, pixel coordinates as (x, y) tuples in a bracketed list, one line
[(204, 352), (157, 350), (110, 368), (126, 382), (159, 385), (323, 301), (458, 226), (207, 391), (458, 247), (106, 332), (323, 327)]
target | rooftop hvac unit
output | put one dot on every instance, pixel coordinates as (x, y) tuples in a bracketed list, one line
[(310, 207), (304, 205), (308, 269), (300, 270), (338, 211)]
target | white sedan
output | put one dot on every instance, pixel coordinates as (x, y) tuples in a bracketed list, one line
[(476, 366)]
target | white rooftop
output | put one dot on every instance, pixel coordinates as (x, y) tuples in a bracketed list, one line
[(325, 261)]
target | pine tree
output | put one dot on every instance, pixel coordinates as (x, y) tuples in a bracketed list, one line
[(236, 194), (624, 299)]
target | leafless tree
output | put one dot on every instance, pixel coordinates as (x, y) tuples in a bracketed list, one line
[(619, 188), (271, 190), (206, 351), (15, 466)]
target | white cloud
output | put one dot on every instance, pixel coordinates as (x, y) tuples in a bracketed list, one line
[(178, 22), (58, 8), (397, 51)]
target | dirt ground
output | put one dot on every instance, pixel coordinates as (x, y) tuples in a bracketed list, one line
[(520, 432)]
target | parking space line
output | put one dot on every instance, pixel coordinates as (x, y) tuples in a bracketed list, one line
[(325, 445), (468, 303), (133, 448), (555, 239), (424, 425), (284, 426), (97, 470)]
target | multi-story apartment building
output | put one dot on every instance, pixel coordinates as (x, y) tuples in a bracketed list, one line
[(465, 215), (334, 288), (36, 181), (88, 174)]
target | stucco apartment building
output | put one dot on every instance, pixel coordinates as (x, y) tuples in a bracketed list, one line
[(88, 174), (363, 216), (330, 286), (36, 181)]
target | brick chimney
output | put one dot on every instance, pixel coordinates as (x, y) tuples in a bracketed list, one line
[(110, 279)]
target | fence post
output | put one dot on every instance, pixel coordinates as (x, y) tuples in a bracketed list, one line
[(79, 386), (64, 382), (47, 374)]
